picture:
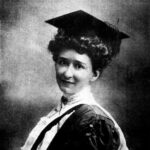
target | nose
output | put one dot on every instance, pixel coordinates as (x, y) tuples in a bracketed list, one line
[(68, 73)]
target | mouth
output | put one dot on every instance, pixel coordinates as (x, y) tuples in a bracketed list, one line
[(66, 81)]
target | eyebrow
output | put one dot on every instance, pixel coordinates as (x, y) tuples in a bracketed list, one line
[(77, 61)]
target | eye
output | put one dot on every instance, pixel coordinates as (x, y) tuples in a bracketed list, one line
[(78, 66), (62, 62)]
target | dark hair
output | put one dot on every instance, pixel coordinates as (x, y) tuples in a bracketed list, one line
[(99, 50)]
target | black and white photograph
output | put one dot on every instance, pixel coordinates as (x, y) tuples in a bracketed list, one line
[(74, 75)]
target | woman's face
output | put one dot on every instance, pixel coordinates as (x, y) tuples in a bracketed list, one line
[(73, 71)]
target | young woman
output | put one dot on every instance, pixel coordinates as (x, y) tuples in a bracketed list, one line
[(81, 49)]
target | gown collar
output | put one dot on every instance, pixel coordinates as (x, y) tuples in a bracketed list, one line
[(85, 96)]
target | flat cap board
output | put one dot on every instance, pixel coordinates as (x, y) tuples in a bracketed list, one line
[(80, 22)]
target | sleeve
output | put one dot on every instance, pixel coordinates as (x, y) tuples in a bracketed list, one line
[(99, 133)]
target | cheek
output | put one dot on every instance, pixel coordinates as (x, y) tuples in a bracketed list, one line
[(83, 76), (59, 70)]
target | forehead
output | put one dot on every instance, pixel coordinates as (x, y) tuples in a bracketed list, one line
[(73, 55)]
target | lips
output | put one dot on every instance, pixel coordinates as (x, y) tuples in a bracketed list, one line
[(66, 81)]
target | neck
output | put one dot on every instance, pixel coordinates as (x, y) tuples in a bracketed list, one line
[(85, 89), (83, 96)]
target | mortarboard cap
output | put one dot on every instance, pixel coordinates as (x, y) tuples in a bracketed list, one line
[(80, 22)]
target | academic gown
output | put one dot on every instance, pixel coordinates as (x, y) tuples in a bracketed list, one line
[(88, 128)]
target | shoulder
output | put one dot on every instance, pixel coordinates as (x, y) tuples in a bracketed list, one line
[(91, 123), (87, 117), (87, 113)]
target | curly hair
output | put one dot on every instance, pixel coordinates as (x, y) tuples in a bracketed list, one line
[(99, 50)]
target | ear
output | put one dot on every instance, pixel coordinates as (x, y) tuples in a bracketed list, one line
[(95, 75)]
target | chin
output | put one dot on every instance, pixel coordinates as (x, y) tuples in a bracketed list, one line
[(66, 90)]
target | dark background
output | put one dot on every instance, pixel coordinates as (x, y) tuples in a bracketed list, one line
[(27, 78)]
